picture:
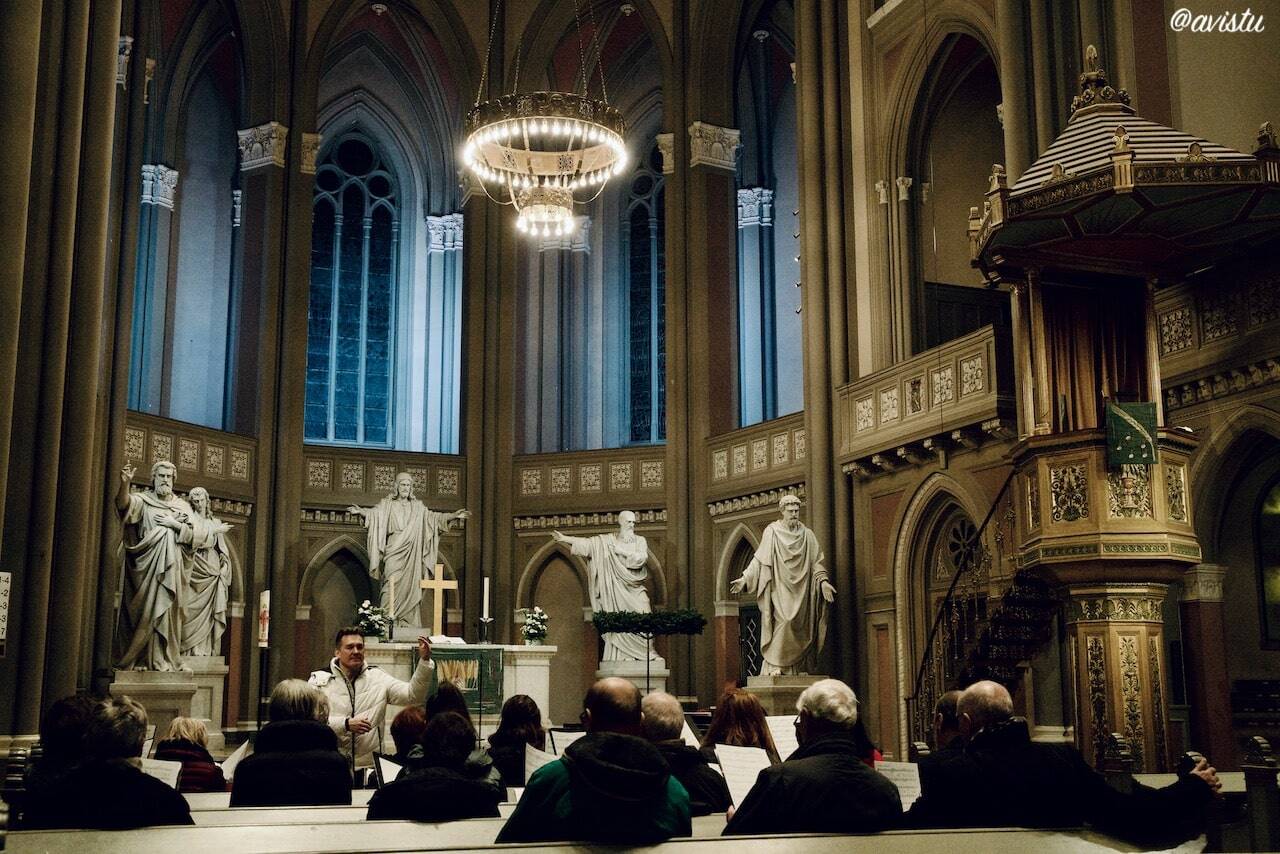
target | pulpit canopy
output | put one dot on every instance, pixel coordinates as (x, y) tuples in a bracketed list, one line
[(1117, 193)]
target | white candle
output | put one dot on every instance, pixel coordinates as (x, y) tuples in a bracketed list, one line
[(484, 614), (391, 598)]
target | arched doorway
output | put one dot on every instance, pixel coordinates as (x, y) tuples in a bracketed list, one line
[(558, 590), (338, 587), (749, 660)]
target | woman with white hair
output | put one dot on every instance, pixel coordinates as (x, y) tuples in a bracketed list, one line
[(824, 786)]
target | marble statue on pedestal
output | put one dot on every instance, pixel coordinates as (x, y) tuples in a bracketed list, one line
[(616, 581), (790, 584), (158, 524), (404, 540), (206, 582)]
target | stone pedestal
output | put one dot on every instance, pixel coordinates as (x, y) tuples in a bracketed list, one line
[(165, 696), (778, 694), (210, 674), (634, 671)]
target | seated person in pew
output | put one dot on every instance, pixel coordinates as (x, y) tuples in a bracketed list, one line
[(64, 731), (739, 720), (946, 723), (824, 786), (662, 724), (406, 733), (439, 789), (520, 724), (295, 759), (448, 698), (106, 789), (609, 787), (187, 741), (1004, 779)]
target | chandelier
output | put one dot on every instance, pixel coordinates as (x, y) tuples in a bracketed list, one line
[(544, 152)]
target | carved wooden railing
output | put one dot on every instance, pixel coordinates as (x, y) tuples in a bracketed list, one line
[(967, 641)]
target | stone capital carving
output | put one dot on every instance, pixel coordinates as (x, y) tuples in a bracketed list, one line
[(310, 151), (1203, 583), (263, 145), (123, 50), (755, 207), (150, 75), (667, 148), (882, 191), (444, 233), (904, 188), (237, 198), (470, 186), (714, 146), (1117, 603), (159, 185)]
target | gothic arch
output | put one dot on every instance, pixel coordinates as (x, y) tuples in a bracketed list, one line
[(533, 567), (741, 533), (321, 557), (206, 32), (710, 79), (1217, 464), (911, 526)]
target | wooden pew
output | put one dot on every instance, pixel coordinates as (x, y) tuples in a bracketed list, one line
[(200, 801), (246, 816), (462, 835)]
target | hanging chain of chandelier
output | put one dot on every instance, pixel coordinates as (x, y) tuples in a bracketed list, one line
[(545, 152)]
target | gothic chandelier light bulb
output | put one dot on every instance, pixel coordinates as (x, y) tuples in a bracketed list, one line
[(544, 152)]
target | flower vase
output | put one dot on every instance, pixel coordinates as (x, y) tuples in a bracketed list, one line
[(533, 641)]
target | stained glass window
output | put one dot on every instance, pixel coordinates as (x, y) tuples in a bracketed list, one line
[(351, 313), (644, 230)]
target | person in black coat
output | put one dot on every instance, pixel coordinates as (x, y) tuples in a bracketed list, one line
[(440, 789), (295, 759), (824, 787), (103, 788), (662, 724), (1001, 778)]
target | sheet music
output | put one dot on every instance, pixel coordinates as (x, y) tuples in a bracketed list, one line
[(387, 769), (560, 739), (229, 764), (688, 736), (741, 767), (783, 730), (514, 793), (146, 748), (446, 640), (535, 759), (163, 770), (904, 775)]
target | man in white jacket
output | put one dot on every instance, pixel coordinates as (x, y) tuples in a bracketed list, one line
[(358, 695)]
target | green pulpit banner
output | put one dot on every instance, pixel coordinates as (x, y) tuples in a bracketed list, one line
[(1131, 434), (476, 670)]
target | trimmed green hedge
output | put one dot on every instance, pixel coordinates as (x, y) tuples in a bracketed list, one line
[(652, 625)]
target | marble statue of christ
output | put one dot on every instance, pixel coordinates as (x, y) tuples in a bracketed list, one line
[(404, 540)]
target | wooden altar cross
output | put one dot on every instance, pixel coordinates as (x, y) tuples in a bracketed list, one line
[(439, 584)]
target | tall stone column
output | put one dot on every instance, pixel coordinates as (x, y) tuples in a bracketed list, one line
[(1204, 649), (1117, 643), (159, 191), (444, 306), (756, 319), (825, 267), (711, 369), (1011, 32)]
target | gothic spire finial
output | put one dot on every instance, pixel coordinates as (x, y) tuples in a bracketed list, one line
[(1094, 88)]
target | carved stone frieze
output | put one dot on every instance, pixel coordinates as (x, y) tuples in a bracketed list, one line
[(310, 152), (1217, 317), (1222, 384), (1096, 667), (1131, 692), (159, 185), (1203, 583), (666, 148), (864, 414), (1116, 607), (1175, 490), (1264, 300), (1069, 492), (585, 520), (755, 207), (263, 145), (1175, 330), (717, 147), (888, 405), (765, 498), (444, 233), (1033, 502), (124, 47), (1129, 492), (1157, 707)]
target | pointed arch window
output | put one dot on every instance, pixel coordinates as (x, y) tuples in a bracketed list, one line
[(643, 240), (351, 315)]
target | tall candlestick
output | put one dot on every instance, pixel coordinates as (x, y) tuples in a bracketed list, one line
[(391, 598), (484, 612)]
